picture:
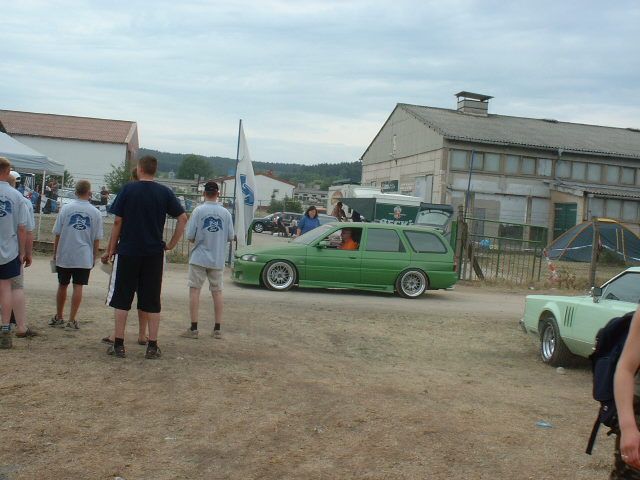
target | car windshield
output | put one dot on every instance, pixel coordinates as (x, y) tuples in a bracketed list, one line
[(312, 235), (432, 217)]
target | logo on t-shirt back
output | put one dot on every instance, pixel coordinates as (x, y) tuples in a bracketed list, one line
[(212, 224), (5, 208), (80, 222)]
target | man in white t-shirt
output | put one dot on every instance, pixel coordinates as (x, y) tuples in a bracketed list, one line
[(78, 231), (17, 284), (13, 218), (210, 228)]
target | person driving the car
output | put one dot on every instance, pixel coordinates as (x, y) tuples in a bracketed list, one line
[(348, 243)]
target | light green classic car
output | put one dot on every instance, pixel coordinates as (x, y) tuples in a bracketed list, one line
[(566, 327), (382, 257)]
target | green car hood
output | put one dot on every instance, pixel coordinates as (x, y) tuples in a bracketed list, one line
[(288, 249)]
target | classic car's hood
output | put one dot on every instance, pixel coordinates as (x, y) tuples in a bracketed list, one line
[(557, 298)]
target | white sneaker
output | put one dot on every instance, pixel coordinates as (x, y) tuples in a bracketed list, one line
[(189, 333)]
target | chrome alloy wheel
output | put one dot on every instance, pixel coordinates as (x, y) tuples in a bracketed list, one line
[(280, 275), (413, 283), (548, 342)]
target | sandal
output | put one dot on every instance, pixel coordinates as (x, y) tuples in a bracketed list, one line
[(27, 333)]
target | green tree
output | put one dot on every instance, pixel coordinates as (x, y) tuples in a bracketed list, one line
[(194, 165), (285, 205), (68, 180), (117, 177)]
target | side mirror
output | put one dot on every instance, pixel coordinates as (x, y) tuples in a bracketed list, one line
[(596, 293), (323, 244)]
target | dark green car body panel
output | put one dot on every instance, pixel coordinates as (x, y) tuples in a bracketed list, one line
[(362, 269)]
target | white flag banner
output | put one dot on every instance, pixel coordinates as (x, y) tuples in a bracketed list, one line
[(245, 201)]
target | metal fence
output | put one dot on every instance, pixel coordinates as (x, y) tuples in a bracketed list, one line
[(494, 250)]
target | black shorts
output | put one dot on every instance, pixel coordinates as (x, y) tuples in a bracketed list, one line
[(136, 274), (80, 275), (10, 270)]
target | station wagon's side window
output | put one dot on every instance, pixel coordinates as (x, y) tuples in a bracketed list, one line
[(425, 242), (625, 288), (383, 240)]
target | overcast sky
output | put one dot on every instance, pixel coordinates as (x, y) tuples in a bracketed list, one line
[(314, 80)]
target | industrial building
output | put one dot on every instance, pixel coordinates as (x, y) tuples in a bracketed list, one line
[(537, 171)]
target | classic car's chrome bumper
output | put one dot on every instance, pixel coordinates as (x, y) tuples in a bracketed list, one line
[(521, 323)]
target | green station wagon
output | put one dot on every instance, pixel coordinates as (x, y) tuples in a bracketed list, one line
[(387, 258)]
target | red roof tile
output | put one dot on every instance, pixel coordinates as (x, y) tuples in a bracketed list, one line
[(64, 126)]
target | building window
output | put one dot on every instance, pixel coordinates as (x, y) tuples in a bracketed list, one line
[(492, 162), (563, 169), (528, 166), (544, 167), (613, 208), (596, 207), (613, 174), (478, 160), (459, 160), (512, 164), (594, 172), (630, 211), (627, 176), (578, 171)]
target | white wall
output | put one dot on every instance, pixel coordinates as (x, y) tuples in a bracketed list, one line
[(264, 189), (85, 160)]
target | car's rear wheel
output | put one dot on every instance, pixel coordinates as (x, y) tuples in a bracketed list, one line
[(279, 275), (258, 227), (412, 283), (553, 350)]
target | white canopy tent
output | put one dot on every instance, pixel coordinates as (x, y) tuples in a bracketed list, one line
[(25, 159)]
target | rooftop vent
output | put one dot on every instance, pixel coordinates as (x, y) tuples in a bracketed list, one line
[(473, 103)]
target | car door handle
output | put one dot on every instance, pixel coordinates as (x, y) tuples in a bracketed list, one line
[(353, 258)]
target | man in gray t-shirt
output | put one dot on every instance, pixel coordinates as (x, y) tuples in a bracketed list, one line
[(13, 218), (78, 231), (210, 228)]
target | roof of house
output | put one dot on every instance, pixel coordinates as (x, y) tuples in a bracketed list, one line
[(67, 127), (529, 132)]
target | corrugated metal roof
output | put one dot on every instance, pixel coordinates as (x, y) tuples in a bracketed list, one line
[(600, 190), (68, 127), (529, 132)]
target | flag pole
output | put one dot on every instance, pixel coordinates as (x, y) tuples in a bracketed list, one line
[(235, 186)]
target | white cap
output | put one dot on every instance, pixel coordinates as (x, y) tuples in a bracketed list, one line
[(14, 174)]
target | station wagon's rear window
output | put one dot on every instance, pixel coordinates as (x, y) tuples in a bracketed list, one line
[(425, 242), (383, 240)]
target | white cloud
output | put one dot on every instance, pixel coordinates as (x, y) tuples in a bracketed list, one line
[(313, 80)]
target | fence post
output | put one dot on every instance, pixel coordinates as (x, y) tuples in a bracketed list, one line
[(460, 239), (594, 253)]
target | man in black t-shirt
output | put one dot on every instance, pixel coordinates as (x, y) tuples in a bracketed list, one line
[(137, 250)]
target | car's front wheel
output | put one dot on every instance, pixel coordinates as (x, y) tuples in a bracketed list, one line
[(412, 283), (258, 227), (279, 275), (553, 350)]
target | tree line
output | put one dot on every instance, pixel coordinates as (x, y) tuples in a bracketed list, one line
[(324, 174)]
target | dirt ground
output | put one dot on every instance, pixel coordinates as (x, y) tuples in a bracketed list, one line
[(304, 385)]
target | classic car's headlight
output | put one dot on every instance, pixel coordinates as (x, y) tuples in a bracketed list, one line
[(249, 258)]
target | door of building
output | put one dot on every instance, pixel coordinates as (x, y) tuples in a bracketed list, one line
[(565, 215)]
